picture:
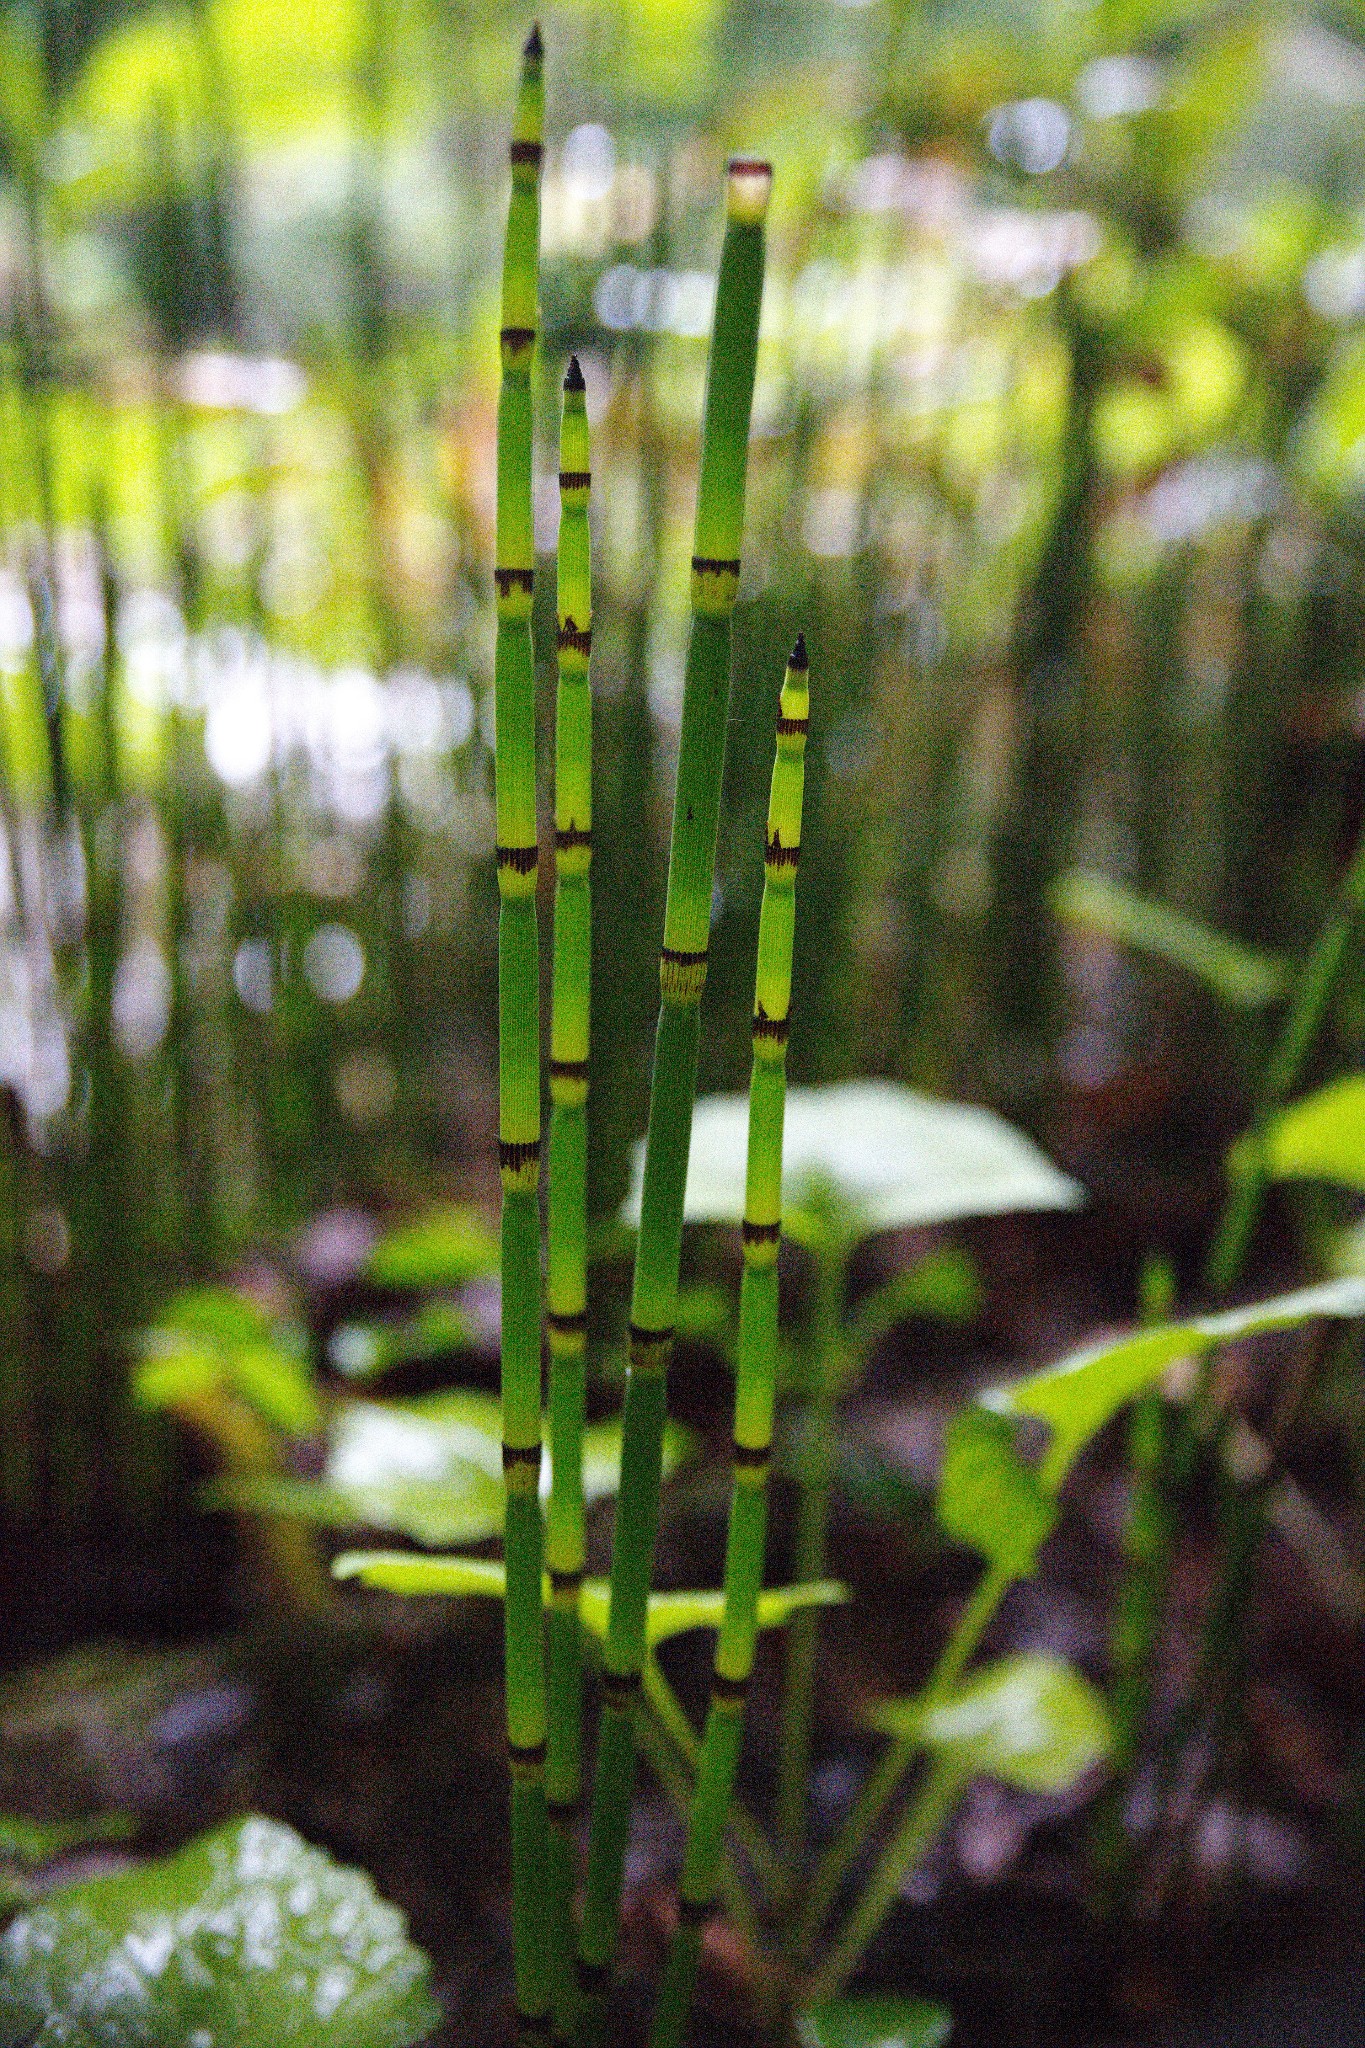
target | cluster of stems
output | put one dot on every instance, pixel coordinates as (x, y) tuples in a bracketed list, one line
[(756, 1369), (519, 1055), (682, 972)]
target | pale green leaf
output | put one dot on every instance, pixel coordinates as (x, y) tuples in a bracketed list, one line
[(874, 2023), (248, 1936), (1240, 977), (402, 1571), (429, 1469), (888, 1156), (1030, 1720), (988, 1498), (1320, 1137), (449, 1246), (1079, 1394), (674, 1614)]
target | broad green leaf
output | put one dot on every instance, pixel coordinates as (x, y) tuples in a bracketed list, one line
[(401, 1571), (889, 1156), (178, 1368), (208, 1339), (1238, 976), (874, 2023), (988, 1498), (218, 1314), (1030, 1720), (450, 1245), (673, 1614), (1320, 1137), (249, 1936), (1079, 1394), (429, 1469)]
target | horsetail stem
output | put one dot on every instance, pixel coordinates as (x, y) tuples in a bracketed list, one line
[(567, 1286), (756, 1378), (682, 970), (519, 1056)]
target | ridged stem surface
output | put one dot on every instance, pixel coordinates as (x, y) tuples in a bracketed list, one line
[(756, 1376), (682, 971), (567, 1283), (519, 1060)]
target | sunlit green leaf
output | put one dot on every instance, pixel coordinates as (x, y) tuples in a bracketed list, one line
[(429, 1469), (1030, 1720), (1320, 1137), (248, 1937), (448, 1247), (217, 1341), (1079, 1394), (889, 1156), (875, 2023), (673, 1614), (1237, 975), (988, 1498), (402, 1571)]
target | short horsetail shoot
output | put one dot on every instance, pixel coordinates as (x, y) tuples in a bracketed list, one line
[(756, 1375), (566, 1317), (519, 1056), (682, 972)]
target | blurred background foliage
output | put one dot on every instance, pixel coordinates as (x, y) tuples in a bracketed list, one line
[(1060, 464)]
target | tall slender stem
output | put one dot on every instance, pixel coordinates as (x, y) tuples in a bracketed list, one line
[(519, 1058), (923, 1821), (885, 1781), (826, 1364), (1312, 993), (756, 1376), (682, 971), (566, 1317)]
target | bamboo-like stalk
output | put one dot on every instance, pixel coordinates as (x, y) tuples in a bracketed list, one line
[(566, 1304), (519, 1055), (756, 1377), (682, 971)]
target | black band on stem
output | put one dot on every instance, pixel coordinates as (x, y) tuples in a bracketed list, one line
[(521, 859), (759, 1233), (574, 1325)]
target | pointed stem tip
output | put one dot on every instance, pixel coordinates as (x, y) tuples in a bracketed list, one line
[(534, 49), (749, 183), (573, 376), (799, 658)]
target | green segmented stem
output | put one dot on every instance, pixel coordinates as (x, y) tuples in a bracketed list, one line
[(519, 1058), (568, 1265), (682, 971), (756, 1379)]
